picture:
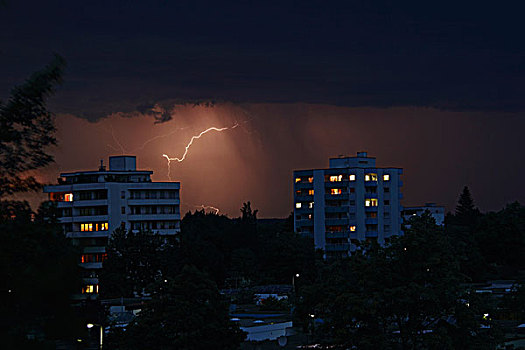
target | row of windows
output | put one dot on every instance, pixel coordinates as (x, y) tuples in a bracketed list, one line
[(152, 194), (352, 228), (339, 178), (369, 202), (336, 191), (97, 226), (164, 209), (351, 216), (90, 258), (154, 225)]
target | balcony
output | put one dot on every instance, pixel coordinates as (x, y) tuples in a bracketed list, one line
[(153, 201), (336, 222), (371, 209), (304, 198), (338, 209), (343, 196), (87, 234), (304, 222), (371, 234), (90, 218), (90, 203), (91, 265), (341, 184), (371, 221), (303, 185), (344, 234), (153, 217), (341, 247)]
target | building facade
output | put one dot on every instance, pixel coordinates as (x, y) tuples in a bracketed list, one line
[(92, 204), (351, 201), (436, 211)]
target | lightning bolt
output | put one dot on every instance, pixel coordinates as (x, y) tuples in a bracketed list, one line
[(205, 207), (193, 138)]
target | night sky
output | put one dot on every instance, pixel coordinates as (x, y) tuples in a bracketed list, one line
[(433, 87)]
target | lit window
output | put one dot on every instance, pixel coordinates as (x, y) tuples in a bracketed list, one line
[(297, 179), (352, 177), (371, 177), (386, 177), (298, 205), (335, 191), (311, 179), (311, 205), (310, 192), (372, 202), (104, 226), (68, 197), (336, 178), (90, 289), (309, 216), (352, 228)]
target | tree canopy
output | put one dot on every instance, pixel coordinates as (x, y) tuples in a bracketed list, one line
[(27, 129)]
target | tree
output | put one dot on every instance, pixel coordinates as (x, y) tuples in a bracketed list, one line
[(461, 229), (408, 295), (466, 211), (39, 273), (136, 260), (186, 312), (26, 129), (501, 238)]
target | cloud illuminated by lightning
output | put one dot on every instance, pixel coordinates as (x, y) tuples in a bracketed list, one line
[(193, 138)]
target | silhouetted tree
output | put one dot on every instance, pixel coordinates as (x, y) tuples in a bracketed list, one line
[(39, 273), (186, 312), (135, 261), (408, 294), (27, 129), (466, 211)]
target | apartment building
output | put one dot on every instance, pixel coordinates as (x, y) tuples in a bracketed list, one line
[(436, 211), (92, 204), (351, 201)]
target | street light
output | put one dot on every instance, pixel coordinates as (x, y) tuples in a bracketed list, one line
[(91, 325), (293, 281)]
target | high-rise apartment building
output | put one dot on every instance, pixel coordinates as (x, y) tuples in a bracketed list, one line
[(92, 204), (351, 201)]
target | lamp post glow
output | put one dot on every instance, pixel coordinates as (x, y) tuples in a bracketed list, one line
[(91, 325), (293, 281)]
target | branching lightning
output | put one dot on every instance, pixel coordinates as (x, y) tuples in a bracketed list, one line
[(206, 207), (193, 138)]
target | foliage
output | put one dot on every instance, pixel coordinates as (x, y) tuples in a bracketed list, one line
[(27, 128), (501, 236), (186, 312), (39, 273), (391, 297), (136, 260)]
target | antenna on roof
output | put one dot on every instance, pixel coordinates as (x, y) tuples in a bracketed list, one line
[(102, 167)]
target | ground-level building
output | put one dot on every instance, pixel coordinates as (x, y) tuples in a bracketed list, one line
[(351, 201), (436, 211), (92, 204)]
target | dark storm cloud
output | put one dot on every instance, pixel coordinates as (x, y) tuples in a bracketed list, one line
[(124, 54)]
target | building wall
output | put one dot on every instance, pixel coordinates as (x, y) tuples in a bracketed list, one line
[(95, 203), (339, 205)]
